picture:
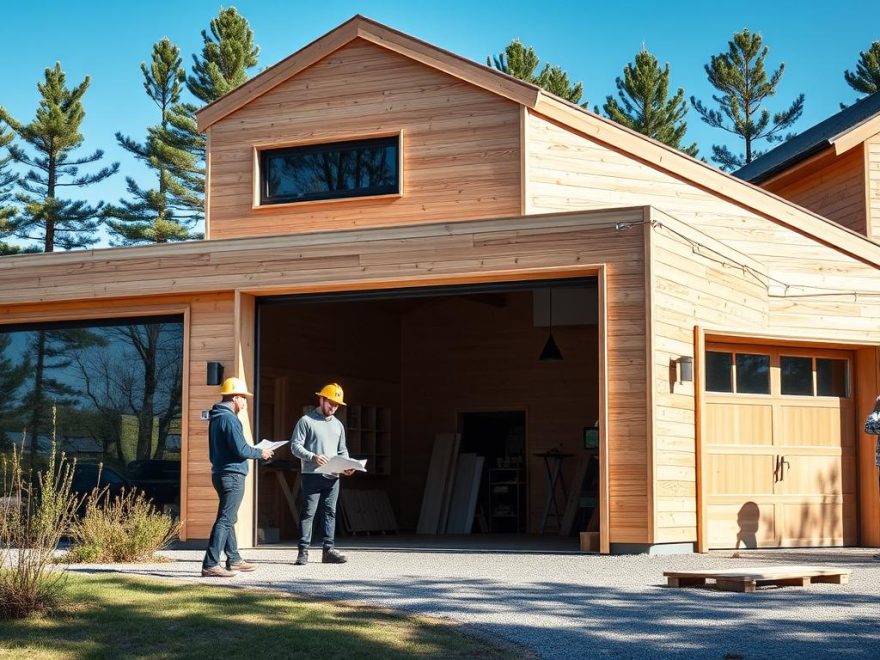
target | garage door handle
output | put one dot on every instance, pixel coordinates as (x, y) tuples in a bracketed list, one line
[(776, 470), (782, 465)]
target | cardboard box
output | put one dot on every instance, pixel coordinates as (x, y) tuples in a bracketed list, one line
[(589, 541)]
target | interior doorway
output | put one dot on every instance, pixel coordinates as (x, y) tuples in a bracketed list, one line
[(500, 438)]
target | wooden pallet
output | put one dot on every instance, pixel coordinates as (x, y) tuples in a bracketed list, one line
[(747, 580)]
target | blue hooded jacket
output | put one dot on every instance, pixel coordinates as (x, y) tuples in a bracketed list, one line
[(228, 449)]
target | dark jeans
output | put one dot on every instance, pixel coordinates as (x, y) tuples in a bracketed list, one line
[(319, 496), (230, 488)]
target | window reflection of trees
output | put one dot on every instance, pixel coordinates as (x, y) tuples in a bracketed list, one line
[(299, 175), (116, 388)]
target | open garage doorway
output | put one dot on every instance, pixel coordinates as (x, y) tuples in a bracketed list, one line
[(474, 405)]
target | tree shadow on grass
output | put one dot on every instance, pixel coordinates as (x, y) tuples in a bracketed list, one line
[(118, 617)]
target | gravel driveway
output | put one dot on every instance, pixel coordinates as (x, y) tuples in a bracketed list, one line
[(569, 605)]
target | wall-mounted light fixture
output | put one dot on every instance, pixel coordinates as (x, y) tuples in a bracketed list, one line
[(551, 352), (215, 373), (685, 369)]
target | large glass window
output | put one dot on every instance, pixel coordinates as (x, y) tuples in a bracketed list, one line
[(357, 168), (109, 391)]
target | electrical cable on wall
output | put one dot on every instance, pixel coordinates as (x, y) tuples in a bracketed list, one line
[(764, 279)]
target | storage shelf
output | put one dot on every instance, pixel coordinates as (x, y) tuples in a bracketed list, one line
[(368, 435)]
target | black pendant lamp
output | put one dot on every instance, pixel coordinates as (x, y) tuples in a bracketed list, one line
[(551, 352)]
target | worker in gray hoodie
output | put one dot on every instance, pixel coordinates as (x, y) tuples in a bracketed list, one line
[(317, 437), (229, 453)]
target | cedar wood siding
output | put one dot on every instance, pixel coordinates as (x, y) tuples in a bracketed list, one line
[(566, 171), (872, 177), (461, 145), (836, 191)]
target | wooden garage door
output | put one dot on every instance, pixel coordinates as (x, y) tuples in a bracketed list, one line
[(779, 447)]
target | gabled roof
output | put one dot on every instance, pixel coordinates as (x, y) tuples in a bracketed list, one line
[(360, 27), (570, 115), (842, 131)]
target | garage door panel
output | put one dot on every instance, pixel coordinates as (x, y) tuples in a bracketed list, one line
[(813, 426), (746, 524), (739, 424), (740, 474), (811, 524), (817, 475)]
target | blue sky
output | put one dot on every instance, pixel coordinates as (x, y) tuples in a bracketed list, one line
[(592, 41)]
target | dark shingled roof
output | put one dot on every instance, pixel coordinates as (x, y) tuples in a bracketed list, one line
[(810, 141)]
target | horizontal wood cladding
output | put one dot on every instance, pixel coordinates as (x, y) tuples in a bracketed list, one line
[(811, 285), (872, 184), (212, 339), (461, 144), (836, 191), (320, 261), (689, 287)]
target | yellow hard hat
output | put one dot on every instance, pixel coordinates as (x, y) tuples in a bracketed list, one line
[(332, 392), (234, 386)]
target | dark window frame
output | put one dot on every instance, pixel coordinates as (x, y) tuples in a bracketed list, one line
[(385, 141)]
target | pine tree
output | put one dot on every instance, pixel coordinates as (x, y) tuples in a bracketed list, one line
[(645, 105), (7, 179), (521, 62), (54, 135), (741, 79), (866, 78), (165, 213), (227, 53)]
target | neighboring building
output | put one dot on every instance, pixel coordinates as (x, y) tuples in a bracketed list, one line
[(415, 226), (832, 168)]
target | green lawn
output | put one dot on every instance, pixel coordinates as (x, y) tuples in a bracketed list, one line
[(116, 616)]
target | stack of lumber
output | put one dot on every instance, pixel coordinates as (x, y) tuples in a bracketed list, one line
[(465, 490), (451, 488), (367, 511)]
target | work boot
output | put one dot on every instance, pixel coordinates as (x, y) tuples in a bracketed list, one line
[(333, 556), (241, 565), (216, 571), (302, 558)]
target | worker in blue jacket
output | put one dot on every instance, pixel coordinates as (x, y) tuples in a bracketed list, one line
[(229, 453)]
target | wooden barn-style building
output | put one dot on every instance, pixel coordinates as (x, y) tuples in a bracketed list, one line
[(388, 215)]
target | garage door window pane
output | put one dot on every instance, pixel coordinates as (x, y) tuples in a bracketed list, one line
[(832, 377), (752, 374), (718, 372), (797, 375)]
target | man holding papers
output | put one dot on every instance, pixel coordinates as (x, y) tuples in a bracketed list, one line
[(229, 453), (318, 437)]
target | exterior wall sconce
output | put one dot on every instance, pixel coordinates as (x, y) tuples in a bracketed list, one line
[(685, 369), (215, 373)]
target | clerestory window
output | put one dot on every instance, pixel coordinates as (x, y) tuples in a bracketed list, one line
[(355, 168)]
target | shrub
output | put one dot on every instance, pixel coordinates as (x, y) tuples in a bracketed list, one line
[(35, 511), (127, 528)]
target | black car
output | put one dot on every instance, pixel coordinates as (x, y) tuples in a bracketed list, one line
[(158, 479), (88, 476)]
